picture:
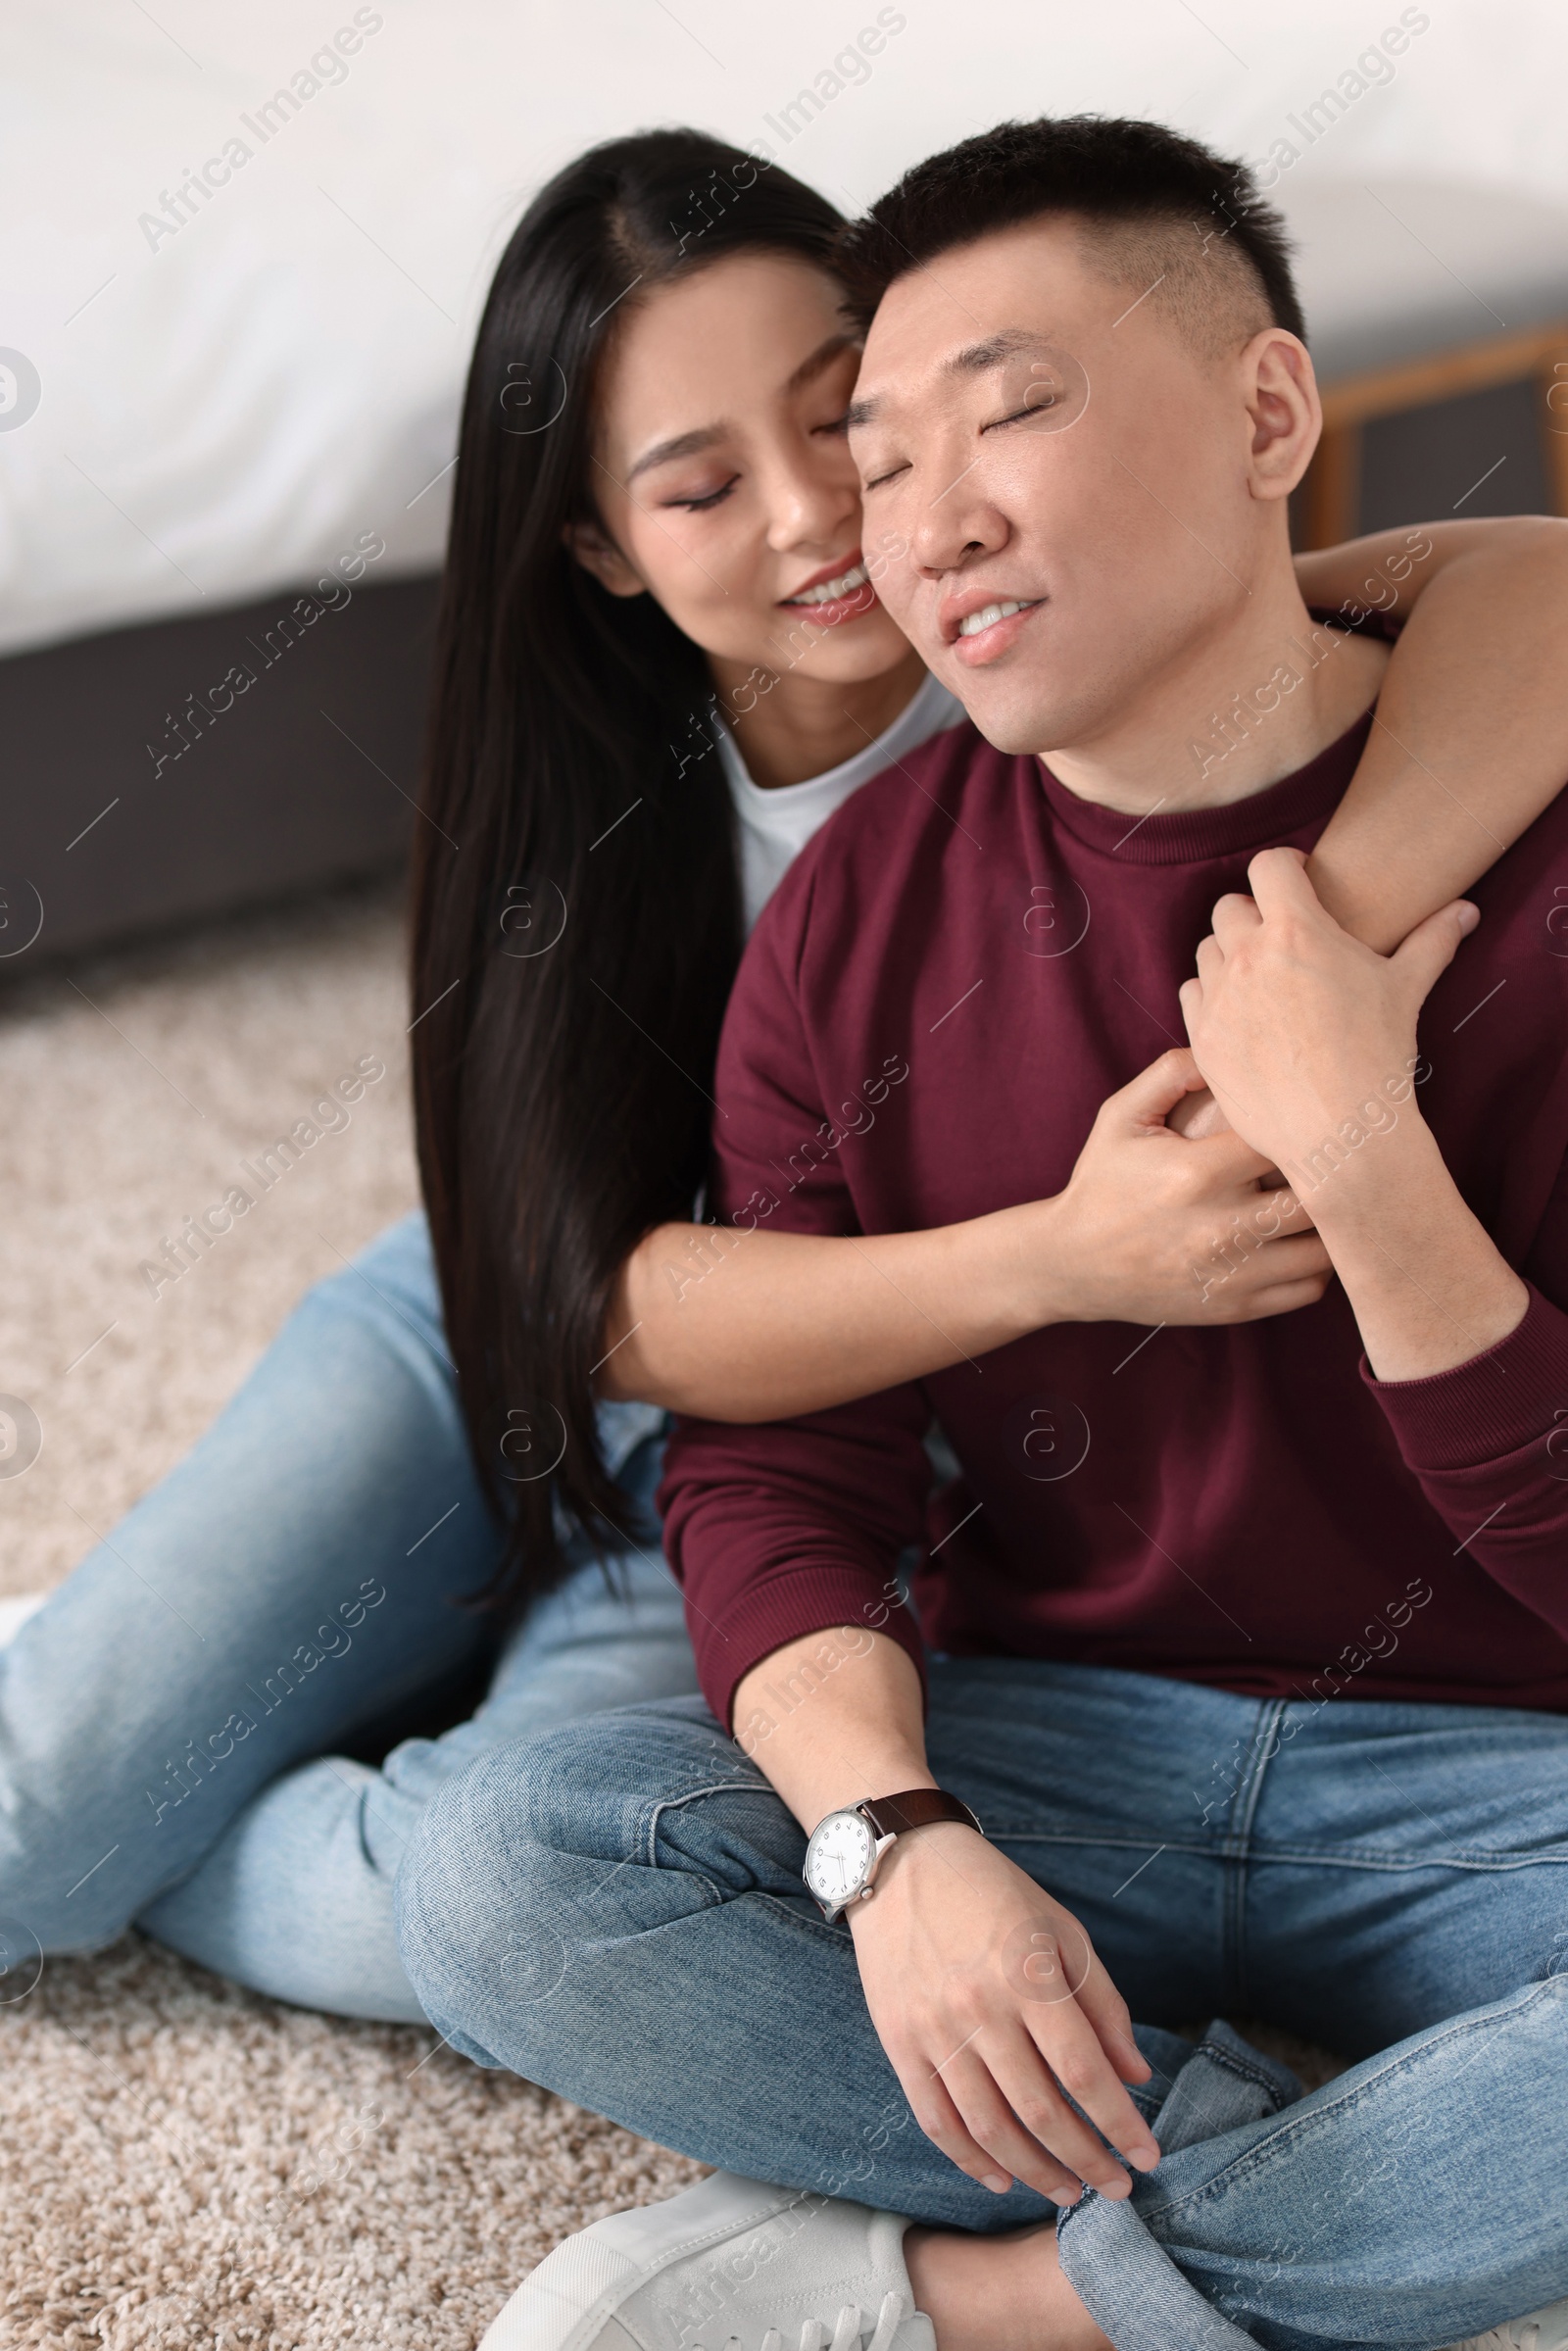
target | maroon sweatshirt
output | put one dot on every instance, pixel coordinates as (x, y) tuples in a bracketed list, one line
[(952, 978)]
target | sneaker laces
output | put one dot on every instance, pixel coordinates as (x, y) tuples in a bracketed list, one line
[(846, 2334), (1514, 2334)]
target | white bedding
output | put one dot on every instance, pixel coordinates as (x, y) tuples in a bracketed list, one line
[(228, 401)]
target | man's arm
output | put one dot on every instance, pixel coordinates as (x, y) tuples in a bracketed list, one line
[(1428, 1285), (1305, 1035), (1470, 740), (785, 1540), (782, 1529), (987, 1996), (1299, 1028)]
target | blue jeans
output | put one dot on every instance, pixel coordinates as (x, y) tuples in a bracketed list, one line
[(172, 1720), (616, 1912)]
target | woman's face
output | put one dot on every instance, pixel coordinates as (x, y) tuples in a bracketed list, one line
[(723, 476)]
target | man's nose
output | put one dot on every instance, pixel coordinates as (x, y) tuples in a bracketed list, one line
[(950, 531)]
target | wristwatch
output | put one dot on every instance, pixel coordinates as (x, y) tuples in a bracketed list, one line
[(846, 1848)]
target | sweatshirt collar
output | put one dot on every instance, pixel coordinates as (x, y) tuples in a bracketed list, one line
[(1188, 836)]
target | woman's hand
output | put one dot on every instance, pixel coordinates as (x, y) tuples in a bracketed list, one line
[(744, 1325), (990, 2002), (1198, 1116), (1134, 1236)]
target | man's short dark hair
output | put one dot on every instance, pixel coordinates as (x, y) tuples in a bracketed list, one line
[(1166, 216)]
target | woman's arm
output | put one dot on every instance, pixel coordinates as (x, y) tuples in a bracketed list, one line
[(784, 1323), (1470, 744), (746, 1324), (1470, 740)]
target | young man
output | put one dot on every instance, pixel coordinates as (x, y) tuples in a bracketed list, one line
[(1251, 1643)]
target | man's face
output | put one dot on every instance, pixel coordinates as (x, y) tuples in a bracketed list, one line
[(1041, 437)]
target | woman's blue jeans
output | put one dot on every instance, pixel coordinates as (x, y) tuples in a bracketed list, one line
[(172, 1720), (614, 1910)]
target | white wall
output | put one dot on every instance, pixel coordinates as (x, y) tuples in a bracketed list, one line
[(222, 408)]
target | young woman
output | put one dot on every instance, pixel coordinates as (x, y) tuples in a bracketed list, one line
[(661, 665)]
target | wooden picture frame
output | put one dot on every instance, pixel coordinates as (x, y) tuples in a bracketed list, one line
[(1329, 500)]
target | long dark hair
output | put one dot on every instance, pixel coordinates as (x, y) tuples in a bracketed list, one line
[(570, 961)]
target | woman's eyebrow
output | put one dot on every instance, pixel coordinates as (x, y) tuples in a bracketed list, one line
[(682, 444), (703, 436), (822, 357)]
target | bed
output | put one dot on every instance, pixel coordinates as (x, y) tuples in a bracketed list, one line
[(253, 257)]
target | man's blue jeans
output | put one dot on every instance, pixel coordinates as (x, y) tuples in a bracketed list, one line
[(614, 1910), (173, 1720)]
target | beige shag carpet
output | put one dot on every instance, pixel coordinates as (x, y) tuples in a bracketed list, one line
[(184, 2165)]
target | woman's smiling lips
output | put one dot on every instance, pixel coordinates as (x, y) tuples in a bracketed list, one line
[(980, 628), (841, 591)]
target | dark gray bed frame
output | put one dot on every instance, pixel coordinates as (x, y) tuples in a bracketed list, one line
[(154, 775)]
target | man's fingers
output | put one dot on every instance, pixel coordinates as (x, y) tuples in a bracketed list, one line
[(964, 2114), (1190, 996), (1278, 879), (1077, 2057), (1210, 958), (933, 2108), (1011, 2106), (1111, 2022), (1234, 914), (1426, 953)]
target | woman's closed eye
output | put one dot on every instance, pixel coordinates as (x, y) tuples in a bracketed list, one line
[(698, 502)]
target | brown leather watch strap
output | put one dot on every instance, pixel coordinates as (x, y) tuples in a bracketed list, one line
[(891, 1815)]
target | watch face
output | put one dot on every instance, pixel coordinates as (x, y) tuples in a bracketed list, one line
[(839, 1857)]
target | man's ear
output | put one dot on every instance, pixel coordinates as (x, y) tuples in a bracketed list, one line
[(597, 551), (1279, 389)]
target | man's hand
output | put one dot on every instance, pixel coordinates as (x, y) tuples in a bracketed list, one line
[(984, 1992), (1307, 1037), (990, 2001), (1145, 1229)]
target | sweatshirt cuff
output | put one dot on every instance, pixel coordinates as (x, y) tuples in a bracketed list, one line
[(1499, 1402), (844, 1605)]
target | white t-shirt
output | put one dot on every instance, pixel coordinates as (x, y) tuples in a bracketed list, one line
[(776, 825)]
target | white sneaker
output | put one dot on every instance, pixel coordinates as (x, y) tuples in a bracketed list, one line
[(14, 1614), (1543, 2331), (729, 2266)]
